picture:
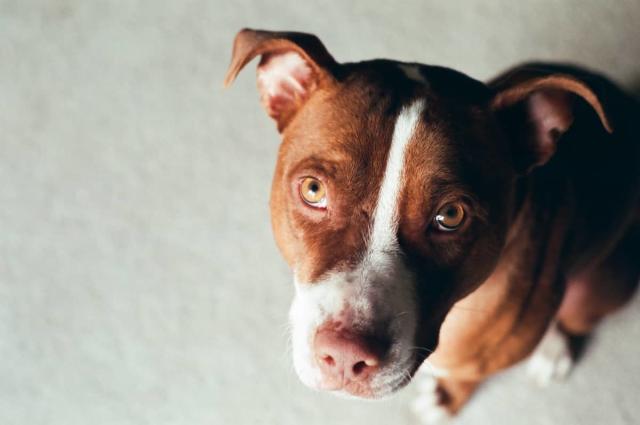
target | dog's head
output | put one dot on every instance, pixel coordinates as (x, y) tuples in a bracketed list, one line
[(392, 197)]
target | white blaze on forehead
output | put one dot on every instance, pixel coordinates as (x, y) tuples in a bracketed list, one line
[(385, 220)]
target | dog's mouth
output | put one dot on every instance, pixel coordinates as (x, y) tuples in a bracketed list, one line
[(388, 383), (382, 391)]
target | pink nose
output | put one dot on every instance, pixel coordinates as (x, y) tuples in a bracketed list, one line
[(344, 358)]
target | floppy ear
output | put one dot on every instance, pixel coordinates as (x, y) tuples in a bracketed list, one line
[(536, 109), (293, 66)]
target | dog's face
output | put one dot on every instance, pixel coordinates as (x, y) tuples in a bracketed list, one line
[(391, 201), (385, 218)]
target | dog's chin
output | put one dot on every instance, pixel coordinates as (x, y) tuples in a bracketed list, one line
[(356, 391)]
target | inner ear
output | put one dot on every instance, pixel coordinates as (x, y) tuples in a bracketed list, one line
[(293, 65), (550, 114), (285, 81), (536, 111)]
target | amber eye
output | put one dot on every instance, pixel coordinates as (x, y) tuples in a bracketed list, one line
[(450, 217), (313, 192)]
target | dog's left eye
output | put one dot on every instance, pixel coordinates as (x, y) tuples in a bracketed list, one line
[(313, 192), (450, 217)]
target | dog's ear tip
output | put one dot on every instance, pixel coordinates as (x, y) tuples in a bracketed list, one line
[(246, 30), (245, 34), (242, 44), (228, 80), (608, 126)]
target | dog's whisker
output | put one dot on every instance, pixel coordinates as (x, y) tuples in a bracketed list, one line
[(475, 310), (403, 313), (425, 349)]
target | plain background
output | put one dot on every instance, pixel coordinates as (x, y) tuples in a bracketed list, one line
[(139, 283)]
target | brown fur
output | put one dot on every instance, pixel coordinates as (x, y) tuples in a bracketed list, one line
[(488, 291)]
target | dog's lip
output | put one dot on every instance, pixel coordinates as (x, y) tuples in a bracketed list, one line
[(378, 393)]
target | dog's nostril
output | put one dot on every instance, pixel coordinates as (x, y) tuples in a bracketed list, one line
[(359, 367), (328, 360), (362, 365), (345, 357)]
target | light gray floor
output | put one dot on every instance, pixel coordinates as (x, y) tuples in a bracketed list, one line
[(139, 283)]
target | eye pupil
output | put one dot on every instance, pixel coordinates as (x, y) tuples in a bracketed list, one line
[(313, 192), (450, 217)]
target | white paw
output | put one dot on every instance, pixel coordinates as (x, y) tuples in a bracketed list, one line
[(425, 406), (551, 360)]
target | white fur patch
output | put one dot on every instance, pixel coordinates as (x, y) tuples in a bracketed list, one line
[(378, 290), (426, 406), (385, 221), (413, 73), (312, 305), (551, 360)]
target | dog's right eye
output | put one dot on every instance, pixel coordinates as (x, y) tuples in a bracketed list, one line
[(313, 192), (450, 217)]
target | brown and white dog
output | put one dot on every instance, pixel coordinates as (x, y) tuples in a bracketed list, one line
[(428, 215)]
